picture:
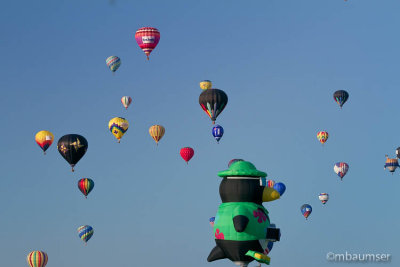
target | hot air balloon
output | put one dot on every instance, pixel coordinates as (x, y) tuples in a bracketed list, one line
[(341, 169), (270, 245), (126, 101), (113, 63), (280, 187), (391, 164), (270, 183), (85, 232), (217, 132), (398, 152), (341, 97), (147, 38), (44, 139), (157, 132), (187, 153), (85, 185), (322, 136), (206, 84), (213, 102), (37, 259), (212, 219), (233, 161), (324, 197), (306, 210), (72, 147), (118, 127)]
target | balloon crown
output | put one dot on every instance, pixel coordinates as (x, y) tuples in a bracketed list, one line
[(242, 168)]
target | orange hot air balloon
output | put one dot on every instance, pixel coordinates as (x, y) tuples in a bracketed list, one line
[(322, 136), (157, 132)]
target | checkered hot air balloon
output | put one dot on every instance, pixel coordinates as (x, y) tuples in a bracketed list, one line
[(113, 63), (85, 232), (341, 169), (147, 38), (37, 259), (322, 136)]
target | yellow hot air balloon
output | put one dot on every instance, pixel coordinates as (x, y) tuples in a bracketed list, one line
[(118, 126), (157, 132), (206, 84), (44, 139)]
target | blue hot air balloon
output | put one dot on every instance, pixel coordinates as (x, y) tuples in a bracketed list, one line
[(306, 210), (85, 232), (217, 132), (280, 187)]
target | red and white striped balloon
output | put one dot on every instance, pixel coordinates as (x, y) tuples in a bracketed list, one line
[(126, 101)]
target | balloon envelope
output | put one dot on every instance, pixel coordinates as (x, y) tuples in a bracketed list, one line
[(85, 185), (37, 259), (85, 232), (72, 148), (147, 38), (217, 132), (233, 161), (157, 132), (324, 197), (341, 168), (206, 84), (322, 136), (113, 63), (118, 127), (126, 101), (213, 102), (391, 164), (341, 97), (44, 139), (187, 153), (306, 210)]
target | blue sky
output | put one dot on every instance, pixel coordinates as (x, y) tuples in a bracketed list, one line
[(278, 61)]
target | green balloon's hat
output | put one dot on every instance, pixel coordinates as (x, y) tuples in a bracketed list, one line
[(242, 168)]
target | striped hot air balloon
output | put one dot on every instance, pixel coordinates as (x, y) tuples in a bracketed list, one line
[(322, 137), (157, 132), (270, 183), (324, 197), (85, 232), (85, 185), (391, 164), (37, 259), (113, 63), (147, 38), (126, 101), (44, 139)]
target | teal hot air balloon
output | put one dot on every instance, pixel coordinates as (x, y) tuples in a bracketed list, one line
[(85, 232)]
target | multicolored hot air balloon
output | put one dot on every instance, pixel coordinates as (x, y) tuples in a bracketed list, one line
[(206, 84), (187, 153), (113, 63), (85, 232), (280, 187), (147, 38), (391, 164), (398, 152), (213, 102), (233, 161), (217, 132), (118, 127), (85, 185), (126, 101), (157, 132), (324, 197), (37, 259), (72, 147), (270, 183), (322, 136), (306, 210), (341, 97), (212, 219), (269, 247), (44, 139), (341, 169)]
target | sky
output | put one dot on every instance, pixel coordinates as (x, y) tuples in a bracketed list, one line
[(279, 63)]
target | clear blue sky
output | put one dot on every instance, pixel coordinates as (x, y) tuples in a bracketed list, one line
[(278, 61)]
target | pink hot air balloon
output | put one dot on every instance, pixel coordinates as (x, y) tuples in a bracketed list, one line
[(147, 38), (187, 153)]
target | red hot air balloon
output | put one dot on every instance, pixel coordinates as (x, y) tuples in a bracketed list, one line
[(147, 38), (187, 153)]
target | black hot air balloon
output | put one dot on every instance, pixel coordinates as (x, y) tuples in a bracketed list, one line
[(213, 102), (341, 97), (72, 147)]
